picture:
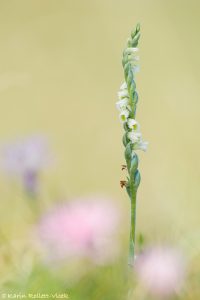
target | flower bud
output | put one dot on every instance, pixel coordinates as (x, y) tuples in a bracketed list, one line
[(137, 179), (125, 140), (130, 77), (135, 40), (135, 97), (134, 165), (128, 154)]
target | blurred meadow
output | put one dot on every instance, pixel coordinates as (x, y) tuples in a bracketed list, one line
[(60, 71)]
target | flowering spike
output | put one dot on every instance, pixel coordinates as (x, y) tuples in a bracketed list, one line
[(132, 138)]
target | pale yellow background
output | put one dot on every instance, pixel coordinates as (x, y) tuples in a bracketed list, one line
[(60, 70)]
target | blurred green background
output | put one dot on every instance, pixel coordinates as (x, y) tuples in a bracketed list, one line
[(60, 70)]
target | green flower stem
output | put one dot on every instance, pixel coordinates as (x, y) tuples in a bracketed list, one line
[(130, 156), (132, 138), (132, 230), (133, 185)]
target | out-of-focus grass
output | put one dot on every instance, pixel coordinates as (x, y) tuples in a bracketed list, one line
[(60, 71)]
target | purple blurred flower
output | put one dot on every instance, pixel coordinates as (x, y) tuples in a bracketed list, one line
[(161, 271), (84, 228), (25, 159)]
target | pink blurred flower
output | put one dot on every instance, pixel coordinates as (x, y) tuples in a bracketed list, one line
[(161, 271), (25, 159), (84, 228)]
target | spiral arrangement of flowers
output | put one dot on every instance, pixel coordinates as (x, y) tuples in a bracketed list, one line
[(132, 138)]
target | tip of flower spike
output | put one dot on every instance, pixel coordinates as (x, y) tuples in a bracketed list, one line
[(135, 31), (135, 35), (138, 27)]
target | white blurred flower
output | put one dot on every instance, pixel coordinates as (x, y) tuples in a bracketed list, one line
[(134, 137), (131, 50), (122, 104), (140, 145), (137, 58), (135, 69), (132, 123), (124, 115), (123, 86), (161, 271), (133, 58), (123, 94)]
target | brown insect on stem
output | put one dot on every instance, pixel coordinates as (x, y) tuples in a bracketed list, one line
[(123, 183), (124, 167)]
